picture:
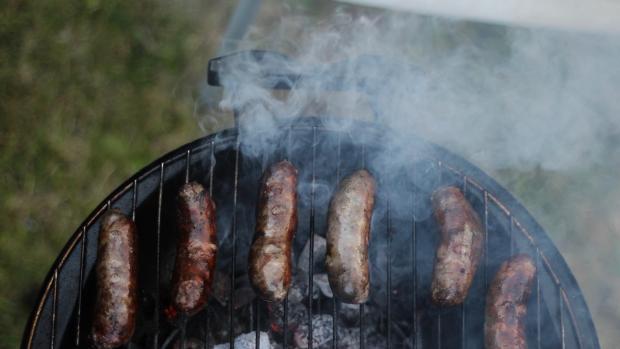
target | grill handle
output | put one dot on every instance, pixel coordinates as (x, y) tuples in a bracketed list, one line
[(277, 71), (273, 70)]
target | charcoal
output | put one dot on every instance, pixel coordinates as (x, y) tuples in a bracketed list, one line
[(242, 297), (349, 313), (190, 343), (297, 314), (322, 332), (220, 289)]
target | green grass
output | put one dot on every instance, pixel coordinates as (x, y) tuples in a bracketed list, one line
[(90, 91)]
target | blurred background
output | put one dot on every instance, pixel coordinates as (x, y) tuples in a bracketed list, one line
[(91, 91)]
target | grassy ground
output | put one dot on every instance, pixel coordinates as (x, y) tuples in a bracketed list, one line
[(91, 91)]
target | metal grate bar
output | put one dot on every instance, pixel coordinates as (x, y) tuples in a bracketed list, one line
[(334, 300), (257, 301), (438, 331), (414, 270), (134, 200), (257, 323), (188, 158), (362, 342), (486, 239), (538, 332), (561, 314), (285, 319), (573, 321), (462, 310), (231, 334), (311, 237), (54, 310), (134, 203), (510, 233), (389, 274), (362, 339), (211, 168), (183, 333), (80, 286), (157, 252), (285, 322), (441, 181)]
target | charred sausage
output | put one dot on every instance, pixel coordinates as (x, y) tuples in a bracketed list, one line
[(506, 307), (348, 231), (276, 223), (117, 277), (460, 248), (196, 251)]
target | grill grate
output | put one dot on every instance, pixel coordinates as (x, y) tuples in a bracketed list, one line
[(61, 318)]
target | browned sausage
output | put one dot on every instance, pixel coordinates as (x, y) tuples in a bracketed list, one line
[(460, 248), (504, 325), (117, 278), (348, 231), (196, 250), (276, 223)]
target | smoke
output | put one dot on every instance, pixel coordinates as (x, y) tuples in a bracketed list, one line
[(502, 97)]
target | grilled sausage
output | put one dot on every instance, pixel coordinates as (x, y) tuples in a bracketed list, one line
[(196, 251), (506, 307), (276, 223), (348, 231), (117, 277), (460, 248)]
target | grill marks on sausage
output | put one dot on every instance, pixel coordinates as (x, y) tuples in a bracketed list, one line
[(460, 248), (348, 232), (276, 222), (117, 277), (506, 305), (196, 251)]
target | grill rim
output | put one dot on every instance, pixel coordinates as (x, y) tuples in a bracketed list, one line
[(570, 294)]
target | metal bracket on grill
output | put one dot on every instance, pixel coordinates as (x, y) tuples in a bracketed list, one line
[(265, 68), (268, 69), (271, 70)]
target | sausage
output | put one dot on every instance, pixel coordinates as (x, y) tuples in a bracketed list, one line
[(196, 251), (460, 248), (276, 222), (117, 278), (504, 325), (348, 231)]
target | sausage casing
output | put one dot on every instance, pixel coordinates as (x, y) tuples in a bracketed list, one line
[(276, 223), (117, 277), (506, 307), (348, 232), (196, 251), (460, 248)]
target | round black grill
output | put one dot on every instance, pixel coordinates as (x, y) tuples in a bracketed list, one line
[(403, 241)]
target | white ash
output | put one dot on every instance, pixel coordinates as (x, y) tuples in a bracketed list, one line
[(320, 247), (321, 283), (248, 341)]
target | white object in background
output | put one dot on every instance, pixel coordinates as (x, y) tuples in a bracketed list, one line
[(581, 15)]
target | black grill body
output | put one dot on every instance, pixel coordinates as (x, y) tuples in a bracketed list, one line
[(403, 240)]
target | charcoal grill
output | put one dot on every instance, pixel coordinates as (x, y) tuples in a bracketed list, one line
[(402, 246)]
